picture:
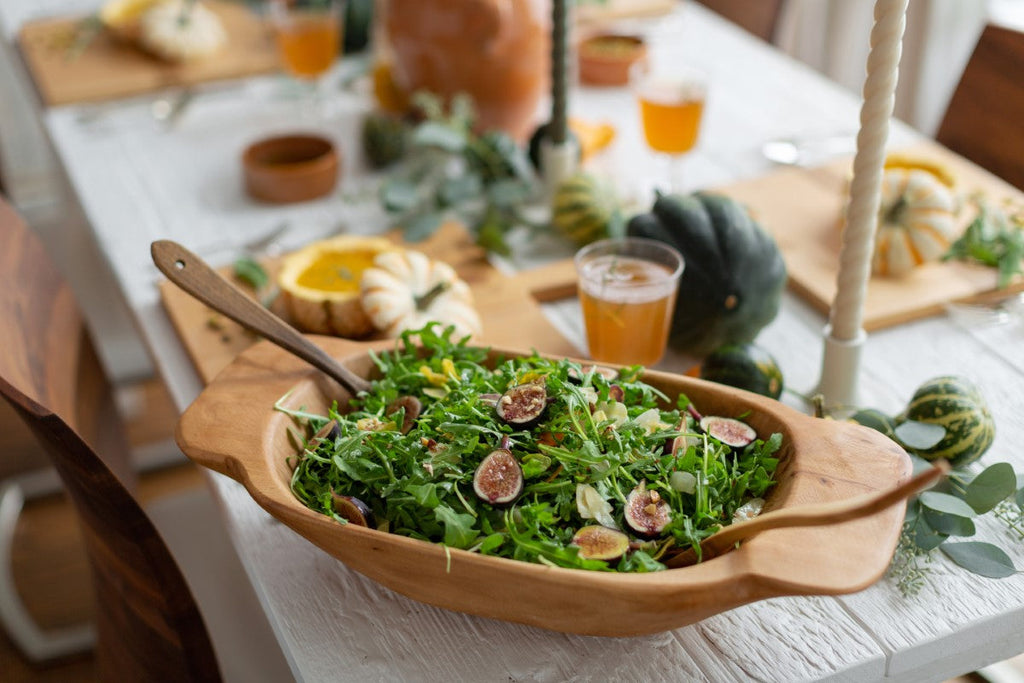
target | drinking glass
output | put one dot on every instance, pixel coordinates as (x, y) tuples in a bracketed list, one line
[(671, 98), (627, 288), (308, 37)]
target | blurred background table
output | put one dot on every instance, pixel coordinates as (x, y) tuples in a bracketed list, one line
[(138, 181)]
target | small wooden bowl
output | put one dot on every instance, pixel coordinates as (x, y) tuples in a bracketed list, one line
[(290, 168), (605, 59), (234, 429)]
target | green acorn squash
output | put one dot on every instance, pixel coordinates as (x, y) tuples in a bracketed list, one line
[(733, 272), (744, 366), (956, 404)]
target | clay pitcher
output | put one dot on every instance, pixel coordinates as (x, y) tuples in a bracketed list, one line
[(497, 51)]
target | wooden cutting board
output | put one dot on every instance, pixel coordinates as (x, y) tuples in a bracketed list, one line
[(509, 306), (110, 68), (802, 208)]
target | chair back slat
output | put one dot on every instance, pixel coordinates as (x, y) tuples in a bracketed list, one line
[(984, 120), (148, 625)]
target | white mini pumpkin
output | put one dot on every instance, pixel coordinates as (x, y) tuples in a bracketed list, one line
[(916, 221), (404, 290)]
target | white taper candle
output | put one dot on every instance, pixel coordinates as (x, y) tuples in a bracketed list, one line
[(845, 334)]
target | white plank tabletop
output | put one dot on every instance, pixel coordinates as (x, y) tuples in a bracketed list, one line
[(138, 182)]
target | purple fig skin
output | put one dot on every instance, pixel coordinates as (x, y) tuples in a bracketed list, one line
[(498, 479), (598, 542), (729, 431), (647, 513), (412, 407), (354, 510), (522, 405)]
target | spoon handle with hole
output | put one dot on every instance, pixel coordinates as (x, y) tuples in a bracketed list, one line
[(194, 276), (814, 514)]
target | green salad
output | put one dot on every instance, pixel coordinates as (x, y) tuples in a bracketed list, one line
[(528, 458)]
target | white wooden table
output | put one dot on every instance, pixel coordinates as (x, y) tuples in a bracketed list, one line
[(138, 182)]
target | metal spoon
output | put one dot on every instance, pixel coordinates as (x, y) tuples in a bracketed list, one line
[(800, 152), (196, 277), (810, 515)]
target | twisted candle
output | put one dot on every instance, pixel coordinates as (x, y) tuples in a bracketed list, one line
[(847, 314), (559, 131)]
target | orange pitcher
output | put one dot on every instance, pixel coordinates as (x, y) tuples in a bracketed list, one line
[(497, 51)]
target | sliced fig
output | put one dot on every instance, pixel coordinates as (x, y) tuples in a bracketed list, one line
[(353, 510), (412, 407), (522, 405), (616, 393), (679, 443), (598, 542), (730, 431), (498, 479), (610, 374), (329, 431), (647, 513)]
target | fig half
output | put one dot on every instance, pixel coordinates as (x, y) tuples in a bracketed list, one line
[(597, 542), (647, 513), (728, 430), (498, 479), (523, 404), (353, 510)]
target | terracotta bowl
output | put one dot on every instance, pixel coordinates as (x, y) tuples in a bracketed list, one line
[(290, 168), (232, 428), (605, 59)]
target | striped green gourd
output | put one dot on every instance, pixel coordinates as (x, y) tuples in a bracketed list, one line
[(582, 208), (956, 404)]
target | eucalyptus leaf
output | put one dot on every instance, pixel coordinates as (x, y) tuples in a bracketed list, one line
[(950, 525), (458, 189), (422, 226), (508, 192), (994, 485), (399, 195), (434, 134), (980, 558), (943, 502), (919, 435), (1020, 498), (925, 537)]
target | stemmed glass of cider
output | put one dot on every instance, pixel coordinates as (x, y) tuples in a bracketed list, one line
[(671, 98), (308, 37), (627, 288)]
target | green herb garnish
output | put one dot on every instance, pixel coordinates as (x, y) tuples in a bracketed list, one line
[(420, 484), (994, 238)]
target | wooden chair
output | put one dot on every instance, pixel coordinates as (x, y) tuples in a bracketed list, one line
[(984, 120), (149, 626), (758, 17)]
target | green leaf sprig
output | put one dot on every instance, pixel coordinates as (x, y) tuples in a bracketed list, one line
[(450, 170), (994, 238), (420, 484)]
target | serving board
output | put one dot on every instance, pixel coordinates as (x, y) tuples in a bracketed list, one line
[(508, 305), (109, 67), (802, 208)]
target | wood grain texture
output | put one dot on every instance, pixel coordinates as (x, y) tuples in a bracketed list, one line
[(983, 119), (821, 461), (148, 625), (109, 67)]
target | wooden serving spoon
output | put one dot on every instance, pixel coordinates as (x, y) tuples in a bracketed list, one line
[(815, 514), (196, 277)]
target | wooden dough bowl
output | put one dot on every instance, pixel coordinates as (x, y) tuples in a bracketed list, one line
[(233, 429)]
